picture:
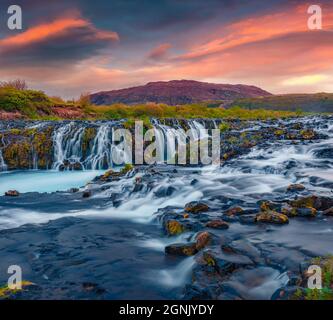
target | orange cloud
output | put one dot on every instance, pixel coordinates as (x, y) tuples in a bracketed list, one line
[(254, 29), (55, 28)]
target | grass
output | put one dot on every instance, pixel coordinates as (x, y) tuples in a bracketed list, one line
[(37, 105), (319, 102), (189, 111)]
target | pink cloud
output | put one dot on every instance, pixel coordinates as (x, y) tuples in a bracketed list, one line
[(160, 51)]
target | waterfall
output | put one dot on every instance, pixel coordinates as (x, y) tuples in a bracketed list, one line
[(68, 144), (198, 129), (100, 155), (3, 166), (60, 145), (89, 145), (167, 136)]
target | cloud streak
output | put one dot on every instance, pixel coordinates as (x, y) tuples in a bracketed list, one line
[(58, 40)]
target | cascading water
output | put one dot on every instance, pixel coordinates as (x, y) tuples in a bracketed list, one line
[(101, 150), (68, 142), (59, 144), (3, 166)]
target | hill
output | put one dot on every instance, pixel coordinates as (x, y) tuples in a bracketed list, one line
[(177, 92), (319, 102)]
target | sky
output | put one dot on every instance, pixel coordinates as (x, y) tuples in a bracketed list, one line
[(78, 46)]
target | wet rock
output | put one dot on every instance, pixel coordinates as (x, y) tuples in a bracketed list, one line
[(271, 217), (67, 165), (234, 211), (203, 239), (243, 247), (305, 212), (75, 166), (74, 190), (298, 212), (182, 249), (194, 181), (217, 224), (279, 132), (308, 134), (86, 194), (196, 207), (222, 266), (173, 227), (138, 187), (247, 219), (319, 203), (329, 212), (269, 205), (12, 193), (165, 191), (288, 210), (295, 187), (108, 175), (304, 202), (290, 164)]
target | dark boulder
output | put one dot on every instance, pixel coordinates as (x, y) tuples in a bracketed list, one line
[(181, 249), (196, 207)]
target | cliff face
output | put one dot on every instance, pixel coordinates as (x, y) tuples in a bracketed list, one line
[(178, 92)]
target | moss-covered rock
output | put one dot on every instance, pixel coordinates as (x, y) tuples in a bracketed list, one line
[(17, 155), (173, 227), (87, 140), (196, 207), (271, 216)]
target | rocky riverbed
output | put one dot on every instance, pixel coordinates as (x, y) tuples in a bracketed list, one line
[(247, 229)]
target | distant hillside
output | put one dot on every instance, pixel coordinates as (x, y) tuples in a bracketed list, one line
[(319, 102), (177, 92)]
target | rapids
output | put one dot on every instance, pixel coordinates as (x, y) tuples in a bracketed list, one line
[(120, 229)]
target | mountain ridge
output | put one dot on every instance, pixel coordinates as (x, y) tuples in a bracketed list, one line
[(176, 92)]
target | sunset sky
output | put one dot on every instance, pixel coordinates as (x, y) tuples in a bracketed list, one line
[(74, 46)]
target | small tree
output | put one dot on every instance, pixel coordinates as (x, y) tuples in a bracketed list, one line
[(17, 84), (84, 100)]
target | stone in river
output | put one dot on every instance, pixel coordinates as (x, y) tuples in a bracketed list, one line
[(173, 227), (203, 239), (181, 249), (12, 193), (295, 187), (217, 224), (196, 207), (271, 217)]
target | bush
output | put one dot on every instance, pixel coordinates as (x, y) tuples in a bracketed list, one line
[(26, 101)]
